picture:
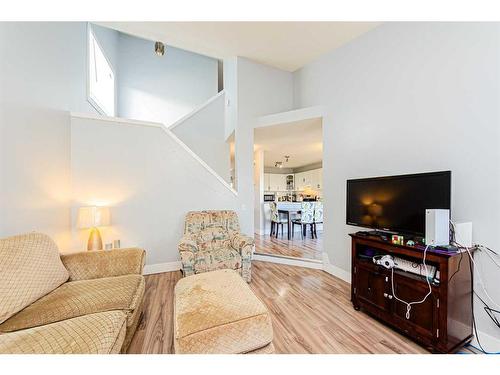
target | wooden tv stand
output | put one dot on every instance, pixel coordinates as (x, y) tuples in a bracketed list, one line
[(443, 323)]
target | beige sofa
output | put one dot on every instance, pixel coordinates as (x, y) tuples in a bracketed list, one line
[(88, 302), (212, 241)]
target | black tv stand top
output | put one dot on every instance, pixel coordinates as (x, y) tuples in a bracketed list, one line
[(384, 236), (418, 248)]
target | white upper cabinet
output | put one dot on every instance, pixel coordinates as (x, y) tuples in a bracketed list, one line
[(277, 181), (301, 180), (289, 182), (312, 179), (306, 179), (267, 182), (317, 179)]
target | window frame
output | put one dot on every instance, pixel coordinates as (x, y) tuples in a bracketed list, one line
[(92, 100)]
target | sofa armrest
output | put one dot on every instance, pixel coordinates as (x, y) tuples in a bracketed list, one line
[(104, 263), (243, 244)]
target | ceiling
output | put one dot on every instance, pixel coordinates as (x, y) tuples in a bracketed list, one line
[(284, 45), (301, 140)]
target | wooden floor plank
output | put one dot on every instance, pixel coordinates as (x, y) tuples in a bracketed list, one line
[(311, 313), (307, 248)]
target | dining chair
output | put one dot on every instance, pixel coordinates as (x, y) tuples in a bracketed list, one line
[(306, 217), (276, 220), (318, 216)]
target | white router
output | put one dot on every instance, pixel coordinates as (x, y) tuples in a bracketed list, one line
[(437, 227), (463, 234)]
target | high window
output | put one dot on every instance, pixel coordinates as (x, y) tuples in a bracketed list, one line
[(101, 78)]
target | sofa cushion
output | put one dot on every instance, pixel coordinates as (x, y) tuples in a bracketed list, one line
[(78, 298), (205, 261), (217, 312), (30, 267), (100, 333)]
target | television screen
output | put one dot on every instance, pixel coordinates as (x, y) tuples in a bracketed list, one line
[(397, 203)]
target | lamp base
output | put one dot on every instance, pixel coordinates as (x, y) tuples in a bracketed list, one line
[(95, 240)]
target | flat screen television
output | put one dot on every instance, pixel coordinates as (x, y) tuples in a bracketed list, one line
[(397, 203)]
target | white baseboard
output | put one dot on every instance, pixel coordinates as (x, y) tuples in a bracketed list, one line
[(337, 272), (150, 269), (334, 270), (288, 261), (489, 343), (325, 265)]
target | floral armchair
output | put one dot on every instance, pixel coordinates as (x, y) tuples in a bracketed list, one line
[(212, 241)]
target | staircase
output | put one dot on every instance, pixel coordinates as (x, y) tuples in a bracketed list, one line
[(150, 175)]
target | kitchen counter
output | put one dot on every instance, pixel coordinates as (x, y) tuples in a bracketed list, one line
[(289, 205)]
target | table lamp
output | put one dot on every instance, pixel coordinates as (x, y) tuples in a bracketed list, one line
[(93, 217)]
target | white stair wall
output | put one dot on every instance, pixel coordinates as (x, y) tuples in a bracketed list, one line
[(203, 131), (148, 177)]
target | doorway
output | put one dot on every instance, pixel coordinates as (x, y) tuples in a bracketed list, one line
[(288, 181)]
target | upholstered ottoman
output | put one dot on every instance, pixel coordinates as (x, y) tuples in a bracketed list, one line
[(217, 313)]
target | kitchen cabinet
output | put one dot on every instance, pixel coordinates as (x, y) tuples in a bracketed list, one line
[(312, 179), (267, 182), (301, 180), (304, 179), (289, 182), (317, 179), (277, 182)]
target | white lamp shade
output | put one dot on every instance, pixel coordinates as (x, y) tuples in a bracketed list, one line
[(90, 217)]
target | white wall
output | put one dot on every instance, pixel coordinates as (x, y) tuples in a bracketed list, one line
[(261, 90), (258, 178), (204, 133), (161, 89), (230, 78), (148, 179), (407, 98), (43, 72), (42, 75)]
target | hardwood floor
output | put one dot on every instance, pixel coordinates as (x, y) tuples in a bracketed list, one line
[(308, 248), (311, 313)]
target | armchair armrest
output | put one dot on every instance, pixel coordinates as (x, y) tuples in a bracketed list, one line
[(187, 243), (104, 263), (243, 244), (187, 248)]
